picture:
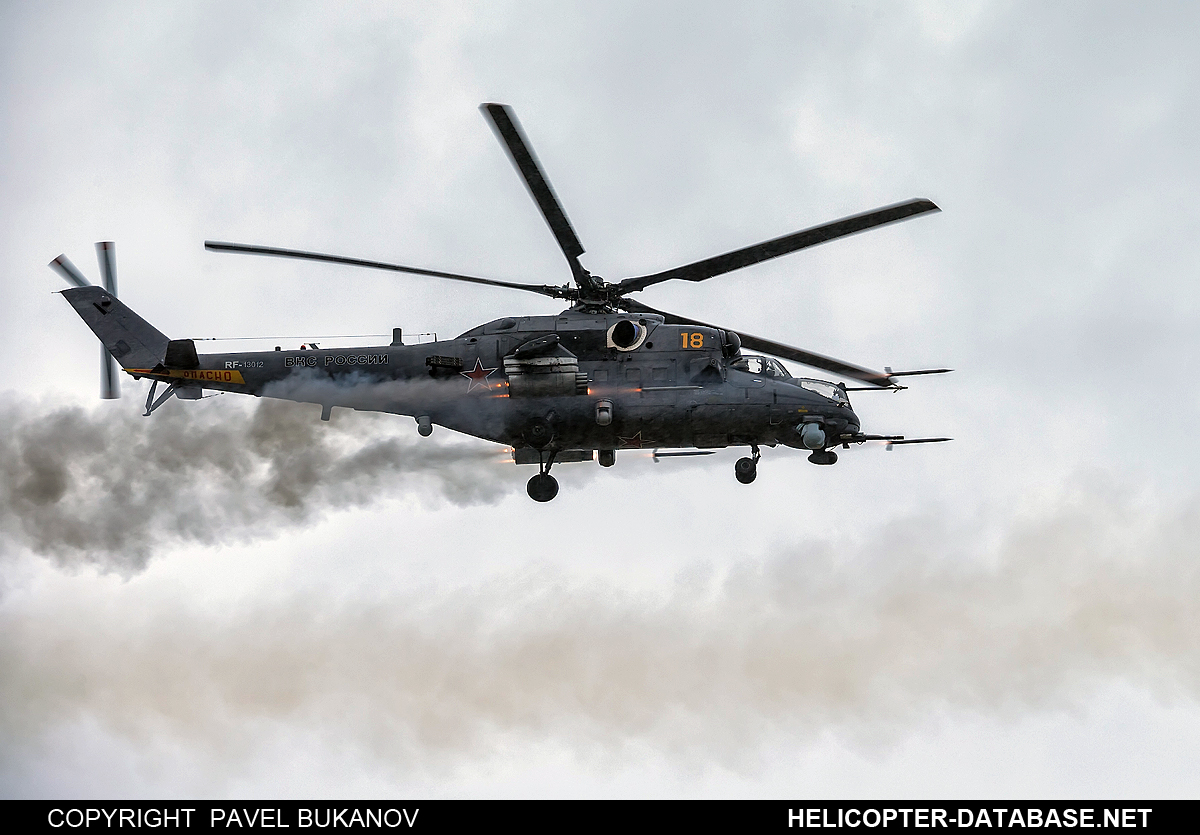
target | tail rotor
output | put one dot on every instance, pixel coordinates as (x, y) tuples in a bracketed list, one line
[(106, 254)]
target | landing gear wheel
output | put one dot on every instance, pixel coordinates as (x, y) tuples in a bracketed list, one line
[(745, 470), (542, 487)]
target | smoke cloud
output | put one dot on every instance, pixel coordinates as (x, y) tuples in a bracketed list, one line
[(108, 486), (1009, 613)]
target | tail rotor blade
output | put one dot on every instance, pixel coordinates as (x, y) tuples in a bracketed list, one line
[(110, 387), (70, 273), (106, 254)]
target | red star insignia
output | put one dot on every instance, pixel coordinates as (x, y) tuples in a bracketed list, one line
[(635, 442), (478, 376)]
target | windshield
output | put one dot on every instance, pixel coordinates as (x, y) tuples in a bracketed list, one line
[(765, 366), (823, 388)]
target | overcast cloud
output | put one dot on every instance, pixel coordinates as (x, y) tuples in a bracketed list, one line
[(346, 608)]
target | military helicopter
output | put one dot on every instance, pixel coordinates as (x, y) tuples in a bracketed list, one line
[(609, 373)]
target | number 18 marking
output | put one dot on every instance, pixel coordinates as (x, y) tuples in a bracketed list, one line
[(692, 340)]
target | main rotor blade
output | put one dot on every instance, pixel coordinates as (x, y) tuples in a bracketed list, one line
[(787, 352), (106, 254), (777, 349), (508, 130), (765, 251), (250, 249), (920, 372)]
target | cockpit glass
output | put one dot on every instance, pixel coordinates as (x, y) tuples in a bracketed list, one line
[(775, 369), (761, 365), (824, 389), (768, 367)]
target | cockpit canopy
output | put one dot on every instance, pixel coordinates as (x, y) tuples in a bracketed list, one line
[(823, 388), (768, 367), (764, 366)]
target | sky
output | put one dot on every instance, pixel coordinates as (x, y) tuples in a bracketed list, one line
[(232, 598)]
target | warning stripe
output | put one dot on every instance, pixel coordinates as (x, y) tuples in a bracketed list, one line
[(205, 375)]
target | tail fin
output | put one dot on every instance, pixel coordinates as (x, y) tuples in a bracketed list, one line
[(132, 341)]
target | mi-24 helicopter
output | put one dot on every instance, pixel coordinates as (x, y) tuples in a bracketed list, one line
[(607, 374)]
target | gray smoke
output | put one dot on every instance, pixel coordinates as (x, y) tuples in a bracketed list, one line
[(107, 486), (1009, 613)]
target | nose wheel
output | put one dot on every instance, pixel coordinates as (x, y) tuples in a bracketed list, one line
[(746, 469), (543, 487)]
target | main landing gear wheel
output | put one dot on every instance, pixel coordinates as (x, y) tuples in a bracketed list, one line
[(542, 487), (746, 469)]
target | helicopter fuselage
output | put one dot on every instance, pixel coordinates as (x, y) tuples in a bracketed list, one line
[(575, 381), (606, 374)]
